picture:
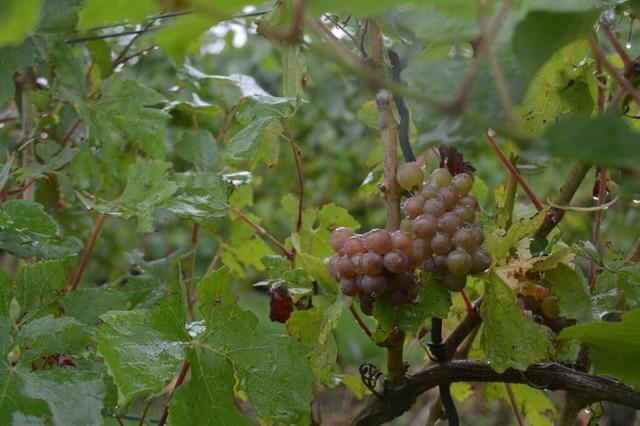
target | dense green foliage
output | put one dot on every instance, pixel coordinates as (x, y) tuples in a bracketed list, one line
[(169, 169)]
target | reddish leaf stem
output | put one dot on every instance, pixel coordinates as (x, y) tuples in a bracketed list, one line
[(467, 301), (70, 132), (615, 73), (261, 231), (514, 171), (179, 381), (514, 404), (597, 224), (629, 66), (87, 252)]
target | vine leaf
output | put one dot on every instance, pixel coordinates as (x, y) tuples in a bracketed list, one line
[(28, 231), (501, 243), (38, 287), (48, 335), (612, 346), (509, 339), (313, 328), (532, 402), (569, 285), (261, 363)]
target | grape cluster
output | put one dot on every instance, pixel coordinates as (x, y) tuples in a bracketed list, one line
[(377, 263), (539, 304), (442, 215)]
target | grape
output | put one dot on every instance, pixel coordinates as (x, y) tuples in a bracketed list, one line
[(478, 235), (353, 245), (349, 287), (465, 239), (345, 267), (371, 264), (463, 182), (550, 307), (459, 262), (449, 223), (429, 191), (366, 303), (449, 196), (441, 243), (454, 282), (339, 237), (434, 207), (404, 280), (481, 260), (412, 207), (402, 241), (409, 175), (467, 215), (527, 289), (374, 285), (333, 268), (395, 261), (356, 259), (418, 253), (469, 201), (437, 265), (530, 303), (425, 226), (398, 298), (379, 241), (406, 225), (441, 177)]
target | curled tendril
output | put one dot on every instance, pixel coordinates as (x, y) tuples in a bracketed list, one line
[(370, 374), (588, 209)]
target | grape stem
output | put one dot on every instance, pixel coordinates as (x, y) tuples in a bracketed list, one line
[(359, 320), (467, 301)]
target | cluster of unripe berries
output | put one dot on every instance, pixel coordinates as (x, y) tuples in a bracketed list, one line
[(539, 304), (442, 214), (376, 263), (440, 232)]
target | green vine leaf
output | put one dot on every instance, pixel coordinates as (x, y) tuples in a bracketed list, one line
[(568, 284), (509, 339), (612, 346)]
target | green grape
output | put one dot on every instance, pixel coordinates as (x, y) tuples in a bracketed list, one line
[(449, 223), (409, 175), (345, 267), (465, 239), (481, 259), (379, 241), (449, 196), (349, 287), (429, 191), (463, 182), (434, 207), (454, 282), (437, 265), (395, 261), (467, 215), (372, 264), (459, 262), (406, 225), (441, 243), (425, 226), (441, 177), (550, 307), (339, 237), (374, 285), (412, 207), (402, 241), (353, 245)]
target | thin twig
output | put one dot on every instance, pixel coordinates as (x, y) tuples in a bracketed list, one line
[(403, 111), (514, 172), (615, 73), (8, 118), (126, 48), (467, 301), (359, 320), (135, 55), (181, 377), (70, 132), (514, 404), (191, 295), (597, 224), (629, 66), (510, 197), (144, 412), (297, 155), (87, 252), (261, 231)]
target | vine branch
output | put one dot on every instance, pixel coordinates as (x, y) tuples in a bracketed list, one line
[(550, 376)]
